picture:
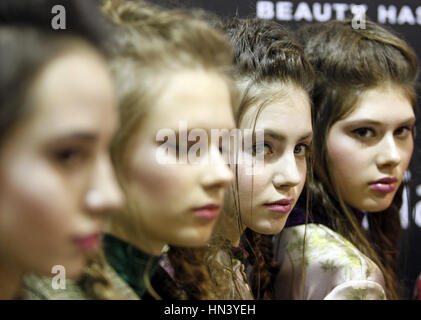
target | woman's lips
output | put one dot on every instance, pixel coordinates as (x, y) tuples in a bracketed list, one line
[(208, 212), (90, 242), (284, 205), (384, 185)]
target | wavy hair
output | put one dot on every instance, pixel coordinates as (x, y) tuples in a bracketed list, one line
[(265, 53), (151, 42), (348, 62)]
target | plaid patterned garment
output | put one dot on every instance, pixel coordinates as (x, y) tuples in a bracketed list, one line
[(131, 264), (40, 288), (125, 268), (140, 270)]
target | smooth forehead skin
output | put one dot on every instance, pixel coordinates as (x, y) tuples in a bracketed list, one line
[(292, 110), (71, 82), (386, 105), (199, 97)]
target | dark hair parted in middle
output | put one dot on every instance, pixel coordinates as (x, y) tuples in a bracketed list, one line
[(266, 52)]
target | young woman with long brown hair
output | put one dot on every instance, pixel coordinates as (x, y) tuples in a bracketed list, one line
[(364, 119), (274, 80)]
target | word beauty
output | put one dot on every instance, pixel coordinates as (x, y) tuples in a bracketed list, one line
[(321, 12), (285, 11), (194, 146)]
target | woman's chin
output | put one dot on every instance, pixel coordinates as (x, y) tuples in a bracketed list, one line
[(375, 205), (268, 227)]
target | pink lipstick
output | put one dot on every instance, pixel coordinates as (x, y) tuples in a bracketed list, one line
[(384, 185), (90, 242), (208, 212), (284, 205)]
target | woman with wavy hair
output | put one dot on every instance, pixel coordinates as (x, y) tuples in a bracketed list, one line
[(274, 81), (364, 123), (171, 70)]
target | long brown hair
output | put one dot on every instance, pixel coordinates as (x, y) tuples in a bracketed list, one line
[(347, 62), (151, 42), (265, 54)]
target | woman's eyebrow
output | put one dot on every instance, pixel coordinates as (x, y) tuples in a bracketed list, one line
[(280, 137), (273, 134), (362, 121), (408, 121), (306, 136), (77, 136), (375, 122)]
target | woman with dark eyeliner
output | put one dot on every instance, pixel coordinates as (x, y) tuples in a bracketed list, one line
[(364, 119), (274, 81)]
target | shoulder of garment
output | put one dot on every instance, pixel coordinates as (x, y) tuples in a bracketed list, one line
[(334, 267), (37, 287)]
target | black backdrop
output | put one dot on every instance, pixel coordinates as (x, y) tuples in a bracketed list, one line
[(403, 17)]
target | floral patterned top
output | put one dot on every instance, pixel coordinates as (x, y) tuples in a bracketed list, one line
[(334, 268)]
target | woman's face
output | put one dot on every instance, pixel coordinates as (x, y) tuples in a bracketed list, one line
[(371, 149), (56, 179), (267, 198), (171, 198)]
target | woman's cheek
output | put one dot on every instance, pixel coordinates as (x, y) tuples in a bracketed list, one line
[(341, 151), (153, 178), (42, 202), (161, 180), (38, 216), (252, 184), (302, 166)]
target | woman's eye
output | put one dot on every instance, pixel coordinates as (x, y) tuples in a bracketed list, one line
[(261, 148), (364, 133), (301, 149), (69, 157), (403, 132)]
